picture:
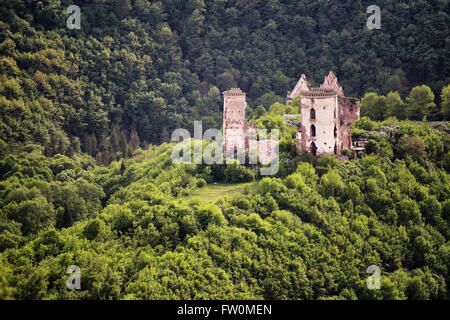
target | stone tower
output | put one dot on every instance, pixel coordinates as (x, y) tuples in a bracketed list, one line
[(325, 116), (234, 122)]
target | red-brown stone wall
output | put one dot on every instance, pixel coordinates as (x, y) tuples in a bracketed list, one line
[(348, 114)]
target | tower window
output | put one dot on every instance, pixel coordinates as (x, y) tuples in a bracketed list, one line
[(313, 114), (313, 131)]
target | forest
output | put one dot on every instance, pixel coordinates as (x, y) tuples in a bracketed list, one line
[(86, 176)]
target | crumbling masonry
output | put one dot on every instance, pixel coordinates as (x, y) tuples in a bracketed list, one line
[(325, 118), (326, 115), (237, 134)]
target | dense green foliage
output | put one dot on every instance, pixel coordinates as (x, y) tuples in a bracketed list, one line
[(309, 233), (419, 105), (83, 182)]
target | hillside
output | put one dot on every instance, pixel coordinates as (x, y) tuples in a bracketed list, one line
[(310, 233), (141, 68), (87, 178)]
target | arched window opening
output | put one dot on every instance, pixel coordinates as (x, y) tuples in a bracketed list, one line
[(313, 131), (313, 114), (335, 149), (335, 131)]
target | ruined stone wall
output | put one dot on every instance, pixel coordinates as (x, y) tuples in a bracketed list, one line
[(234, 121), (348, 114), (324, 123), (237, 135), (349, 109), (333, 116), (301, 139), (234, 140), (266, 149)]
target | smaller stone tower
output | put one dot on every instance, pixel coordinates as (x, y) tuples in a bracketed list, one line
[(234, 122)]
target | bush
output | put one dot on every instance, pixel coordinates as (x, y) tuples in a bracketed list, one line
[(93, 229), (123, 220), (272, 185), (365, 123), (331, 184), (346, 153), (412, 146), (235, 173), (445, 163), (201, 183), (372, 147)]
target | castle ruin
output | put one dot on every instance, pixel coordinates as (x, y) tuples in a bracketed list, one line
[(235, 128), (237, 134), (326, 115)]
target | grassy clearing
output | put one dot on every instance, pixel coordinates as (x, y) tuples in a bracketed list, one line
[(214, 191)]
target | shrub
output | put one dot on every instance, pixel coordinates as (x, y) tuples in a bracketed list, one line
[(412, 146), (201, 183), (93, 229), (237, 173), (346, 153)]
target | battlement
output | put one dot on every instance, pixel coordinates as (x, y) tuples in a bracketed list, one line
[(234, 92), (318, 93)]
